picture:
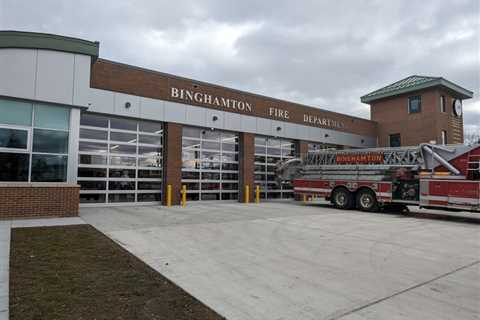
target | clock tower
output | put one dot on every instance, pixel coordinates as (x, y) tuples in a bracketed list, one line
[(418, 109)]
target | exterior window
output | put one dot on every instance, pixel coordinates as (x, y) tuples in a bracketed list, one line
[(94, 120), (414, 104), (47, 159), (52, 117), (16, 112), (14, 166), (13, 138), (443, 107), (444, 137), (395, 140), (50, 141), (49, 168)]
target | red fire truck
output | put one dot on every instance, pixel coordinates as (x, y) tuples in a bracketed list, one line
[(428, 175)]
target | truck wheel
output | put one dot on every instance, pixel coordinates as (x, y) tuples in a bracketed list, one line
[(367, 200), (342, 199)]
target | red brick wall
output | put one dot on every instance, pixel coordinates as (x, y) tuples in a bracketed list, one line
[(172, 163), (247, 165), (43, 201), (119, 77), (393, 117)]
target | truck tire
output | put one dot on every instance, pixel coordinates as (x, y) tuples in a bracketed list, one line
[(342, 199), (367, 200)]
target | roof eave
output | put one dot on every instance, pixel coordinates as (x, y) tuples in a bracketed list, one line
[(462, 92), (34, 40)]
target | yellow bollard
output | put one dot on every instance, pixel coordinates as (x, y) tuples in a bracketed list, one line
[(169, 195), (247, 193), (184, 195), (304, 198), (257, 194)]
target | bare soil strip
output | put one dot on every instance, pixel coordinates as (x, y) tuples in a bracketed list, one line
[(76, 272)]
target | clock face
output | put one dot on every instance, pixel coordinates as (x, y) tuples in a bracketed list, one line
[(457, 107)]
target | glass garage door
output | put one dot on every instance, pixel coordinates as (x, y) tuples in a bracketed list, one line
[(120, 160), (210, 164), (268, 152)]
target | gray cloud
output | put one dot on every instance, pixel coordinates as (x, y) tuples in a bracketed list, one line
[(321, 53)]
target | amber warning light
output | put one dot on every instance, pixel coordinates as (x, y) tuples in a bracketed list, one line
[(360, 158)]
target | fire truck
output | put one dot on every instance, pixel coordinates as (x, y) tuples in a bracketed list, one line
[(430, 176)]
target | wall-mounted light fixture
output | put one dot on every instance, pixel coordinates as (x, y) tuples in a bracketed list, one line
[(279, 128), (327, 135), (127, 105), (362, 141), (214, 118)]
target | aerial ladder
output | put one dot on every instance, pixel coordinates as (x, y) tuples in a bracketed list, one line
[(428, 175)]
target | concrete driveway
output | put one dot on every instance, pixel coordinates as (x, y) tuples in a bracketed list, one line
[(287, 261)]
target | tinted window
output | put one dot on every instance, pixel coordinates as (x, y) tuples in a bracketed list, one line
[(123, 161), (92, 147), (13, 138), (121, 185), (92, 198), (49, 168), (120, 148), (15, 112), (121, 197), (13, 167), (92, 185), (157, 174), (150, 162), (92, 159), (147, 197), (122, 173), (123, 124), (414, 104), (93, 134), (149, 185), (52, 117), (93, 120), (124, 137), (395, 140), (92, 172), (153, 127), (150, 139), (50, 141)]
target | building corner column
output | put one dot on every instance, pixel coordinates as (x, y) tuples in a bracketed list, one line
[(246, 165), (172, 161)]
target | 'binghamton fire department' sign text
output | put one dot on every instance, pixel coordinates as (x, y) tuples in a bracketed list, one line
[(240, 105)]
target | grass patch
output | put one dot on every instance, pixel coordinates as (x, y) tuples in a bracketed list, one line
[(76, 272)]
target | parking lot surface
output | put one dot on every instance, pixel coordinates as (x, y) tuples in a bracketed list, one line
[(295, 261)]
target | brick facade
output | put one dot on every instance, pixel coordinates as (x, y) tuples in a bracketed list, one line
[(28, 200), (246, 165), (118, 77), (393, 117), (172, 162)]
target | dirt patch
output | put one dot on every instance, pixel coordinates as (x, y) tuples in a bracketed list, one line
[(76, 272)]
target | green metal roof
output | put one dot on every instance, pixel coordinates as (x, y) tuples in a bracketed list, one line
[(34, 40), (414, 83)]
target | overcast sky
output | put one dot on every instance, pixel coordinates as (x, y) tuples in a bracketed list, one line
[(321, 53)]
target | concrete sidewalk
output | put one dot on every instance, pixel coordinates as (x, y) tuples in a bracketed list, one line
[(286, 261), (5, 231)]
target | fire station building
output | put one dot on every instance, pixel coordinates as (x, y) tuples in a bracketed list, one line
[(76, 129)]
